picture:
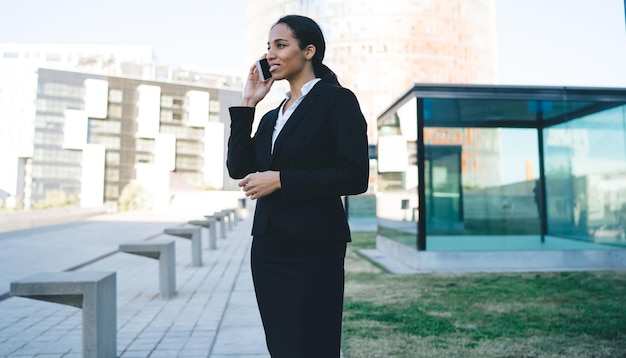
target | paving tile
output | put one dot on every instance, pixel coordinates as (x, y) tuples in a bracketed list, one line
[(164, 353), (135, 354), (240, 340), (214, 303)]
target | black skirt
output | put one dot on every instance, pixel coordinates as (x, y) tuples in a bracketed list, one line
[(299, 290)]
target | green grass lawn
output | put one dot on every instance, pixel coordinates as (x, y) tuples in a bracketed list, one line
[(563, 314)]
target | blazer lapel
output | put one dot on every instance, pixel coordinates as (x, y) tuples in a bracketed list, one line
[(298, 115), (264, 136)]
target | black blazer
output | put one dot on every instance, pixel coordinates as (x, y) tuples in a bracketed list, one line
[(321, 153)]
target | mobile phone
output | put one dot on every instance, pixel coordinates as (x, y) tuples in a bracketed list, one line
[(264, 69)]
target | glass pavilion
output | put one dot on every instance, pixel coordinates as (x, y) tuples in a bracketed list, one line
[(503, 177)]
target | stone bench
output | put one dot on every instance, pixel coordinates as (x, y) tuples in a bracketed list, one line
[(241, 206), (220, 217), (232, 217), (165, 252), (209, 224), (195, 235), (232, 214), (94, 292)]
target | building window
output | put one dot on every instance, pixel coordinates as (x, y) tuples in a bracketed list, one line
[(10, 55), (116, 96), (145, 145), (112, 174), (108, 142), (188, 163), (166, 101), (104, 127), (115, 111), (192, 148), (113, 158)]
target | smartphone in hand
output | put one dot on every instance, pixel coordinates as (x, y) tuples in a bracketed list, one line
[(264, 69)]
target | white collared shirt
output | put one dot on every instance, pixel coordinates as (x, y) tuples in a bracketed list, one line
[(283, 117)]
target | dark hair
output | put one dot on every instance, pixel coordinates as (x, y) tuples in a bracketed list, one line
[(308, 32)]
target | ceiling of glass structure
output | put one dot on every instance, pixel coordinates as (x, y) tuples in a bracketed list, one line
[(460, 112), (504, 106)]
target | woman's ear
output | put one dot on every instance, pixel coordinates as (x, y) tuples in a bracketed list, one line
[(309, 52)]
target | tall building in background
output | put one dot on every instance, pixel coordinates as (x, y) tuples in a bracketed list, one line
[(20, 93), (379, 49), (95, 134)]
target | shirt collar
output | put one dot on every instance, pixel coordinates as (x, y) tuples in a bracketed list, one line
[(306, 88)]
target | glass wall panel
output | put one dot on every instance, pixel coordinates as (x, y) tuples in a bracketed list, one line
[(585, 171), (443, 189), (396, 198), (479, 189)]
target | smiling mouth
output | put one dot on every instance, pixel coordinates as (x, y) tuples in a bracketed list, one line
[(273, 68)]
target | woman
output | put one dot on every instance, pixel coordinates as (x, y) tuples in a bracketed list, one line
[(304, 156)]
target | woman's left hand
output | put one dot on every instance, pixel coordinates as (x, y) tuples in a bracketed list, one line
[(259, 184)]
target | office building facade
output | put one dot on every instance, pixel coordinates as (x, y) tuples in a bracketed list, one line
[(19, 64), (95, 134), (19, 71)]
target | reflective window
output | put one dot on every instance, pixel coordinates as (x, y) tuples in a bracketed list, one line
[(586, 177)]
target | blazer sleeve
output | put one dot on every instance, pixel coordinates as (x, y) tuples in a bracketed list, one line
[(350, 173), (240, 159)]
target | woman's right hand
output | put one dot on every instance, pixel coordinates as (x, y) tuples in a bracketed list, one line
[(255, 89)]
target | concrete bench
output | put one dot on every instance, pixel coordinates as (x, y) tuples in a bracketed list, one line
[(220, 217), (231, 214), (195, 235), (232, 217), (165, 252), (241, 206), (209, 224), (94, 292)]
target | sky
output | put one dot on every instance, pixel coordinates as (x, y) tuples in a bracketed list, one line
[(542, 42), (561, 42), (208, 33)]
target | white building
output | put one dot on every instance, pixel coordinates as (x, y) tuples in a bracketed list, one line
[(19, 64), (19, 68)]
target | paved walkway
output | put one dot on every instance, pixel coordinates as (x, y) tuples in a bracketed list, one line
[(214, 313)]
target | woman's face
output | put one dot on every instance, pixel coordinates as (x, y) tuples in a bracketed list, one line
[(286, 59)]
